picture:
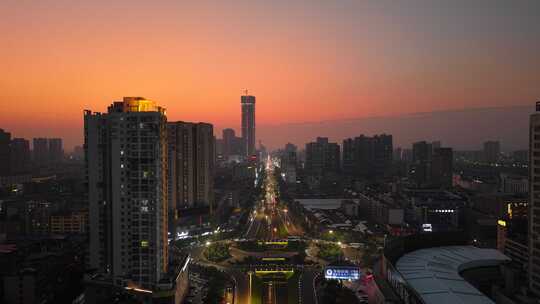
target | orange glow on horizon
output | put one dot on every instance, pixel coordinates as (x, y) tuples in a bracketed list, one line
[(303, 61)]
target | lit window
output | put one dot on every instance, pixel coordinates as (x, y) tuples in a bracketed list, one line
[(144, 209), (122, 166), (121, 152), (144, 244)]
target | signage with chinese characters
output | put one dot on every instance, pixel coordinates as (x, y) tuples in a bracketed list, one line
[(427, 228), (342, 273)]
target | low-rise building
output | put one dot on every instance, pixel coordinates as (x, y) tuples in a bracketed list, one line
[(172, 289), (381, 210), (42, 270), (514, 184), (438, 268), (441, 210)]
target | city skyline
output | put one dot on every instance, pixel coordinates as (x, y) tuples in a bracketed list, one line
[(276, 152), (436, 126), (335, 61)]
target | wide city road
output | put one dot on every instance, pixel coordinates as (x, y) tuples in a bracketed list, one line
[(269, 221)]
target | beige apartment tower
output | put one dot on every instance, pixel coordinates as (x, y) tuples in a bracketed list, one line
[(126, 171)]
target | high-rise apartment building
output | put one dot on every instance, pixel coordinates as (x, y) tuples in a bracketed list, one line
[(228, 142), (322, 157), (436, 144), (5, 152), (232, 145), (218, 148), (422, 151), (40, 153), (368, 157), (534, 201), (432, 165), (126, 171), (20, 155), (421, 163), (56, 150), (348, 156), (289, 162), (248, 124), (442, 164), (191, 165), (398, 154), (291, 148), (492, 151)]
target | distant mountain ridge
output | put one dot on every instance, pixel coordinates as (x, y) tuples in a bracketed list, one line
[(462, 129)]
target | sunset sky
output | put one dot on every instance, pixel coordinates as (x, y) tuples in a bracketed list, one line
[(304, 60)]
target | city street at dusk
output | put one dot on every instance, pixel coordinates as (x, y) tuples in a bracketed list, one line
[(270, 152)]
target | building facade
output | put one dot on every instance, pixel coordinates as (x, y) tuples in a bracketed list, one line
[(5, 152), (70, 223), (492, 151), (191, 165), (56, 150), (228, 142), (442, 164), (512, 240), (40, 152), (20, 155), (514, 184), (368, 157), (421, 163), (534, 201), (126, 171), (248, 124), (322, 157), (289, 162), (232, 145)]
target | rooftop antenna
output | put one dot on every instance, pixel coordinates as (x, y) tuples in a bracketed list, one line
[(246, 92)]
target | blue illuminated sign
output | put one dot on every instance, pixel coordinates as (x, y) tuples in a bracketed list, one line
[(342, 273)]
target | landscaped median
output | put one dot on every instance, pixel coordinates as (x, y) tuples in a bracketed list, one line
[(217, 252), (329, 252)]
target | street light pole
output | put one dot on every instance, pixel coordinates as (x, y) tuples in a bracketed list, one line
[(250, 284)]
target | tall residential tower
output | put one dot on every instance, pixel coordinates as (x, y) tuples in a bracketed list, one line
[(5, 152), (191, 165), (20, 156), (534, 201), (368, 157), (56, 150), (248, 124), (40, 152), (322, 157), (126, 167)]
